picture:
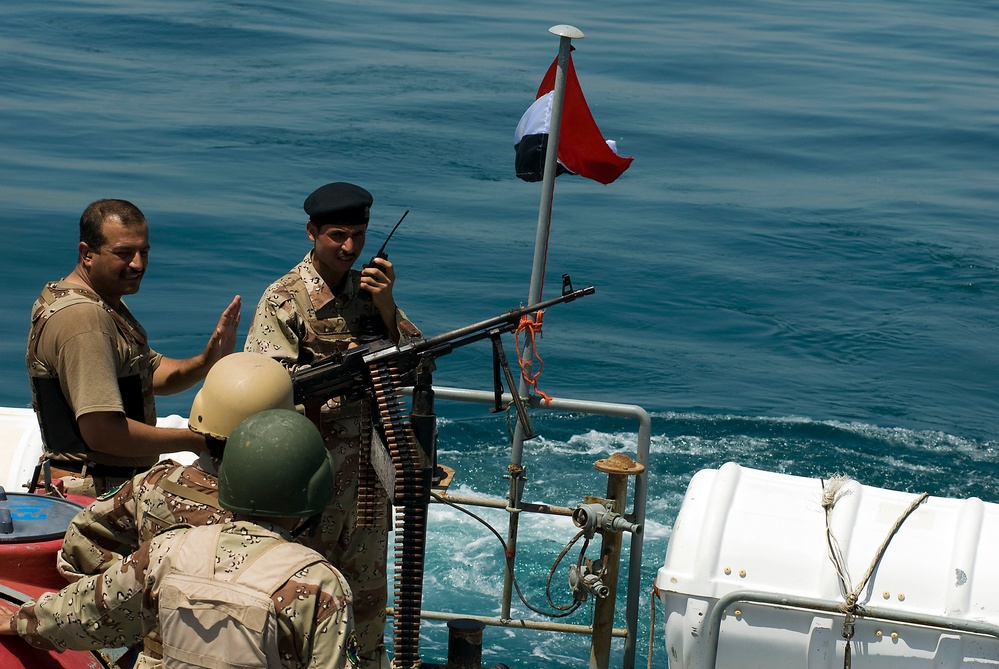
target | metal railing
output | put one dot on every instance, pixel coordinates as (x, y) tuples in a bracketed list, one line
[(787, 601), (636, 516)]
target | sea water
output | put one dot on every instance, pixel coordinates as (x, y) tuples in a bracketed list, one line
[(799, 272)]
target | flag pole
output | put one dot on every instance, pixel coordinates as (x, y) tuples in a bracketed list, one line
[(566, 34)]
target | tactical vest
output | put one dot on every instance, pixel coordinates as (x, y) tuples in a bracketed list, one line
[(324, 337), (56, 419), (210, 620), (149, 525)]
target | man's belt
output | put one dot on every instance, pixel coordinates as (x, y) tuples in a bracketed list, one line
[(96, 469)]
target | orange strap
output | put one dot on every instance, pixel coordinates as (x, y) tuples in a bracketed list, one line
[(533, 328)]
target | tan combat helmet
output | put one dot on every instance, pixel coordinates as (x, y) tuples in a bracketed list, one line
[(238, 386)]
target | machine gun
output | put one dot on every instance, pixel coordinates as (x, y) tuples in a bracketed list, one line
[(400, 451), (347, 374)]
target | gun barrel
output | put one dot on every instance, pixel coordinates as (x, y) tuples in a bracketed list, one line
[(510, 318), (347, 375)]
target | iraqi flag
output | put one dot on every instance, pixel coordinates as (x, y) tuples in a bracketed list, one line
[(582, 149)]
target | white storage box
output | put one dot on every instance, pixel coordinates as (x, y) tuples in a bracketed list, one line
[(744, 535)]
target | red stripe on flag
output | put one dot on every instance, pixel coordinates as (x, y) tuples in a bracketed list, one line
[(581, 147)]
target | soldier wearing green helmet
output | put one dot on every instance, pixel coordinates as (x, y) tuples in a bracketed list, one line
[(297, 485), (197, 589)]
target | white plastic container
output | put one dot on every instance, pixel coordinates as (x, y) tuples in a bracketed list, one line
[(21, 445), (743, 531)]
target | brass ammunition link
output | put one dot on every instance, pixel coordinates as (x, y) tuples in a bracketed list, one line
[(409, 463)]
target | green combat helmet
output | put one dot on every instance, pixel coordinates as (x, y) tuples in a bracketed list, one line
[(238, 386), (275, 464)]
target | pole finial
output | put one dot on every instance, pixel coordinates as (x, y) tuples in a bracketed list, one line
[(563, 30)]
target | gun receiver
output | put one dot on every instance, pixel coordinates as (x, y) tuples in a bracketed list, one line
[(346, 374)]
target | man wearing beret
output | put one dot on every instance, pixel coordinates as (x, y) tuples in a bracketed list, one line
[(321, 306)]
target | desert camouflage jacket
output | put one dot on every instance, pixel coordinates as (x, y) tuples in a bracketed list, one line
[(119, 606), (115, 524)]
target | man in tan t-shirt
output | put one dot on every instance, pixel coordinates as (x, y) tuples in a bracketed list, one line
[(93, 374)]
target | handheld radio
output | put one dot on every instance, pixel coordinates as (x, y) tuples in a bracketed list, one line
[(381, 252)]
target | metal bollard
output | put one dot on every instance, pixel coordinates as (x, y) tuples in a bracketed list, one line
[(464, 644)]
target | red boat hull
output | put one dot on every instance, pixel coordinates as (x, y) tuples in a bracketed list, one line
[(28, 569)]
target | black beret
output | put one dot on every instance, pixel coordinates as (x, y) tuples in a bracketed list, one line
[(339, 202)]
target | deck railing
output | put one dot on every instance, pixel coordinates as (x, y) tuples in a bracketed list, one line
[(602, 629)]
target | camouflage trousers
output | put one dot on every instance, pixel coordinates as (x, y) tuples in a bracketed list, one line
[(360, 553)]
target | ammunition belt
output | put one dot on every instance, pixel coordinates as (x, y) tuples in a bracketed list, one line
[(410, 494)]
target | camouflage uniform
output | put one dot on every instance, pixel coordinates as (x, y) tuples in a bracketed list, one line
[(117, 607), (299, 321), (114, 525)]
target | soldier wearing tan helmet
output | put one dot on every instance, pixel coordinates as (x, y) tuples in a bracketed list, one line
[(238, 386), (237, 594)]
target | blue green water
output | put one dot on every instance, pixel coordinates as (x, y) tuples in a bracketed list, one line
[(800, 271)]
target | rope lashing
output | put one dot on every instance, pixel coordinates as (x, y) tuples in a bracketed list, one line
[(832, 492), (531, 326), (652, 621)]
